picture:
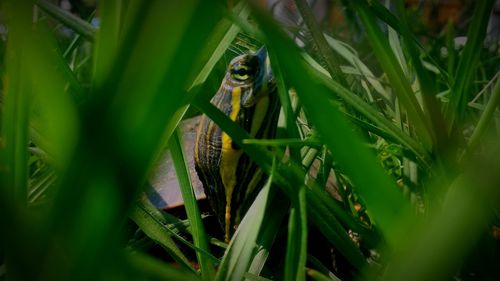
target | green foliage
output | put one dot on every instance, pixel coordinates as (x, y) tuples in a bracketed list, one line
[(387, 154)]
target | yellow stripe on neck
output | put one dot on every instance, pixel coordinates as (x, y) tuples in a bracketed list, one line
[(235, 110), (229, 160)]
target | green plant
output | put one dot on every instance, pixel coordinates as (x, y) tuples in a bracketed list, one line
[(411, 148)]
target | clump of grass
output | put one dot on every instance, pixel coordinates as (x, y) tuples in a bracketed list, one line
[(405, 133)]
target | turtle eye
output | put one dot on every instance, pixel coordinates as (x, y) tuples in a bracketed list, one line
[(241, 72)]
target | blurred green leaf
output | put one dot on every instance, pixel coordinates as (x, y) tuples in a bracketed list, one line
[(147, 217), (77, 24), (436, 249), (107, 39), (468, 63), (157, 270), (15, 110), (318, 276)]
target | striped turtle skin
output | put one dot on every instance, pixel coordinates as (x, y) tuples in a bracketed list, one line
[(230, 179)]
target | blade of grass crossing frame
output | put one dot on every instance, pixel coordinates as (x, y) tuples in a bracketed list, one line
[(288, 177), (363, 107), (322, 268), (319, 40), (286, 105), (224, 33), (352, 57), (467, 64), (318, 276), (158, 270), (219, 40), (107, 39), (331, 228), (452, 52), (427, 86), (127, 123), (270, 227), (439, 247), (77, 24), (296, 250), (200, 237), (144, 216), (395, 43), (167, 222), (242, 247), (381, 12), (368, 111), (55, 120), (393, 70), (483, 122), (384, 200), (15, 107)]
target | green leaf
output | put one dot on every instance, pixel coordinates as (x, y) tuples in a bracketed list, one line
[(145, 216), (483, 122), (243, 246), (15, 107), (438, 247), (158, 270), (222, 37), (318, 276), (319, 41), (426, 84), (384, 200), (352, 57), (288, 177), (200, 237), (399, 82), (77, 24), (468, 63), (296, 250), (107, 39), (368, 112)]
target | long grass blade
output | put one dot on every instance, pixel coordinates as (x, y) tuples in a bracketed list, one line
[(393, 70), (468, 62), (243, 248), (369, 112), (296, 250), (144, 216), (77, 24), (434, 251), (288, 177), (157, 270), (200, 237), (319, 40), (107, 39), (426, 84), (347, 148), (15, 110), (483, 122)]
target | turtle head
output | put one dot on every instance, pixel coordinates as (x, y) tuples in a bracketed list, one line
[(253, 74)]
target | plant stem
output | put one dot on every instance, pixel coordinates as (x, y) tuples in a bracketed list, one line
[(325, 51), (484, 120)]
